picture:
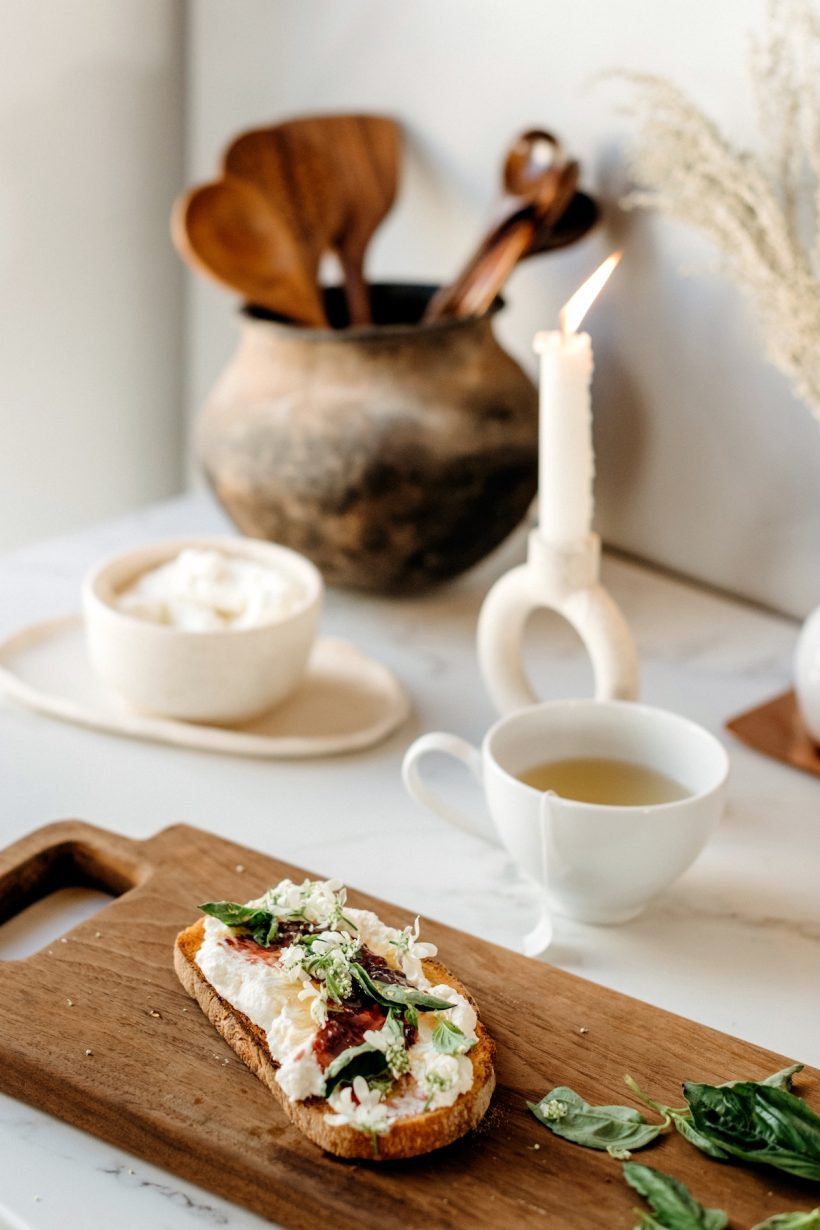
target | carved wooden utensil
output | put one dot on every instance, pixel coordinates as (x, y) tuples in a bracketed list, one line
[(581, 215), (539, 186), (333, 178), (228, 231), (288, 164)]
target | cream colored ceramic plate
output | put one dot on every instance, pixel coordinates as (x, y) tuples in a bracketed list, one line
[(348, 701)]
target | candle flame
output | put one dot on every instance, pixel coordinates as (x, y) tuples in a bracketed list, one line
[(576, 307)]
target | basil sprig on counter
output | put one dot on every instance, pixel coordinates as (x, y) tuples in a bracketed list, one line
[(673, 1205), (261, 924), (618, 1129), (394, 995)]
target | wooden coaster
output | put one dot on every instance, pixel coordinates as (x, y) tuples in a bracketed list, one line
[(776, 729)]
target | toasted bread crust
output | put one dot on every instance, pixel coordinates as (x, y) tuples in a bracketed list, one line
[(408, 1137)]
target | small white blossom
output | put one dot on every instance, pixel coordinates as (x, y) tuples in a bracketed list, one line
[(442, 1074), (554, 1109), (411, 953), (316, 995), (317, 902), (462, 1015), (291, 959), (359, 1107), (390, 1041)]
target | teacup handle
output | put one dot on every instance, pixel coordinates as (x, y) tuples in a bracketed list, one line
[(450, 745), (540, 938)]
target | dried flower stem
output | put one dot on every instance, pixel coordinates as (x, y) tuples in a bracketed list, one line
[(761, 212)]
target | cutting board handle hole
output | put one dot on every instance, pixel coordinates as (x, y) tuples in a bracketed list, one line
[(57, 887), (43, 924)]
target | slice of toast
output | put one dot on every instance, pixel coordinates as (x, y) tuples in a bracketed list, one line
[(408, 1136)]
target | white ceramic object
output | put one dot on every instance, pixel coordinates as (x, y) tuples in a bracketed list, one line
[(807, 674), (597, 864), (347, 700), (563, 579), (230, 675)]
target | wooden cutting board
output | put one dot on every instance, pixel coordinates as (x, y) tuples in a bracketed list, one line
[(161, 1083)]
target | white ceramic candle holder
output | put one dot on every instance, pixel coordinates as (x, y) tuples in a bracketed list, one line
[(563, 579)]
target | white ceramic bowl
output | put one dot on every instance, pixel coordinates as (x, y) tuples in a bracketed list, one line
[(225, 676)]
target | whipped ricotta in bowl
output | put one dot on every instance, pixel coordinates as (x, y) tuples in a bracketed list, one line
[(205, 590), (199, 629)]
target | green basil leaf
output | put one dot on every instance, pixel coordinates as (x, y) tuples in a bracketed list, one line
[(673, 1205), (783, 1080), (449, 1039), (262, 925), (758, 1123), (393, 995), (362, 1060), (342, 1060), (791, 1221), (614, 1128), (696, 1138)]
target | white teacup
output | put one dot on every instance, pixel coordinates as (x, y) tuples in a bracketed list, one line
[(598, 864)]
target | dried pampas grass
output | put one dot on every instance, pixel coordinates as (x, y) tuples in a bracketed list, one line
[(761, 211)]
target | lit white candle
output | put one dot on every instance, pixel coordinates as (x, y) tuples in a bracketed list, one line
[(566, 461)]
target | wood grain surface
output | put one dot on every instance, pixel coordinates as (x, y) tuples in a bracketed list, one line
[(776, 729), (161, 1083)]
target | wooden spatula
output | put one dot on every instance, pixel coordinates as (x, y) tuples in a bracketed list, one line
[(288, 163), (333, 177), (367, 149), (228, 231)]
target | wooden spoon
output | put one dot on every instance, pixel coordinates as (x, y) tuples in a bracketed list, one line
[(539, 186), (334, 178), (228, 231), (580, 216), (288, 165)]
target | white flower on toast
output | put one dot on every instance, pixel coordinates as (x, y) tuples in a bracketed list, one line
[(319, 902), (291, 959), (411, 952), (316, 996), (390, 1041), (326, 958), (358, 1106), (463, 1015)]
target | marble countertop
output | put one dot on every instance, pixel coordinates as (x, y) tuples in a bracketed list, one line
[(735, 943)]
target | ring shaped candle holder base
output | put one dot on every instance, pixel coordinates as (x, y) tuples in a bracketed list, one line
[(562, 579)]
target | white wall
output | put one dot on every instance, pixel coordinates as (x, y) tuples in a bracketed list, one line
[(91, 98), (706, 462)]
